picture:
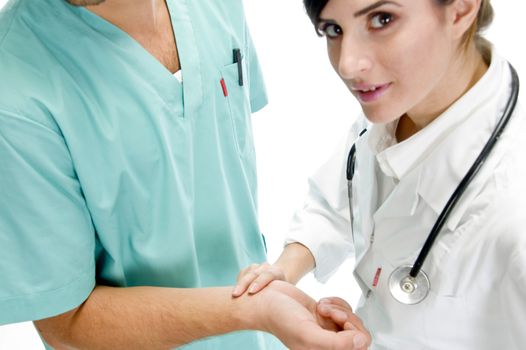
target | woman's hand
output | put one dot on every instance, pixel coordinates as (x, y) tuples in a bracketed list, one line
[(256, 277), (294, 262)]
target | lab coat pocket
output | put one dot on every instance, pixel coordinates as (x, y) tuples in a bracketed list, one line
[(448, 323), (239, 105)]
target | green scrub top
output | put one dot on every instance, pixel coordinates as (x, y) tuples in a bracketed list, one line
[(113, 172)]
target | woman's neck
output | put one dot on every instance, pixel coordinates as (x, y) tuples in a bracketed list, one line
[(465, 72)]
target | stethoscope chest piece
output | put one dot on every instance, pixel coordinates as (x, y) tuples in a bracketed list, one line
[(407, 289)]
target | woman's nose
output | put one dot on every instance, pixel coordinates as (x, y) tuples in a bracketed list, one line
[(354, 60)]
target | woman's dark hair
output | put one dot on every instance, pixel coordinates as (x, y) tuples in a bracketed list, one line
[(314, 8), (484, 19)]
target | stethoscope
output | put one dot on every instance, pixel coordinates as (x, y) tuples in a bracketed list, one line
[(409, 284)]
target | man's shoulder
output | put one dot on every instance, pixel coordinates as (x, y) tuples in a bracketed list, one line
[(24, 80), (8, 14), (27, 65)]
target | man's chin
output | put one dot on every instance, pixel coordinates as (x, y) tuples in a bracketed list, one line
[(85, 2)]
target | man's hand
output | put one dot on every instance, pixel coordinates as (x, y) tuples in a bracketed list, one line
[(293, 317), (340, 312)]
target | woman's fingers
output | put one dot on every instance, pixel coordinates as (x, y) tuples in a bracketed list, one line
[(262, 281), (243, 282), (256, 277)]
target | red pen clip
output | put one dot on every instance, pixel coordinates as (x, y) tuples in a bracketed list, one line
[(223, 86), (377, 276)]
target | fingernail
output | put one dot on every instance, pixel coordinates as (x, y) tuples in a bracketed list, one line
[(253, 288), (324, 301), (236, 290), (359, 341)]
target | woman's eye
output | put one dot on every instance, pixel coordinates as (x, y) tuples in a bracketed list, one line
[(330, 30), (380, 20)]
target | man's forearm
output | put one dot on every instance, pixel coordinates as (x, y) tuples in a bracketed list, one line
[(147, 318)]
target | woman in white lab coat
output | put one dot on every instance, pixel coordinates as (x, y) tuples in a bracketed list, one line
[(432, 91)]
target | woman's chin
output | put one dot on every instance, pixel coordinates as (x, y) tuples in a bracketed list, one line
[(378, 116)]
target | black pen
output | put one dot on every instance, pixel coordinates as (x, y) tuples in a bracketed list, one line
[(237, 59)]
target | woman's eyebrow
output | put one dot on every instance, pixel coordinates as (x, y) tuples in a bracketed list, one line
[(373, 6), (327, 21)]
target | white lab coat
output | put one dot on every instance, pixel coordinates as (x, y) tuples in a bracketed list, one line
[(477, 266)]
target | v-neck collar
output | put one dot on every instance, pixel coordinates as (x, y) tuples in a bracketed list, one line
[(171, 91)]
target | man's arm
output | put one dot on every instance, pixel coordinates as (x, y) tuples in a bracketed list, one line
[(144, 318), (164, 318)]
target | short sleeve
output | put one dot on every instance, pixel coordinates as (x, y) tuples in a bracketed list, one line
[(258, 93), (323, 223), (47, 240)]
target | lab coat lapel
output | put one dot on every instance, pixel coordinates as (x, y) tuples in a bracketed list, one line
[(365, 194), (402, 201), (447, 165)]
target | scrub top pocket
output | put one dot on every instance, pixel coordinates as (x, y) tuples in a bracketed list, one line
[(239, 105)]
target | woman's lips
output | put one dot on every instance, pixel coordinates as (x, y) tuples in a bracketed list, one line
[(370, 93)]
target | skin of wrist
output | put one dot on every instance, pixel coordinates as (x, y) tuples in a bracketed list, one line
[(295, 261), (247, 313), (282, 267)]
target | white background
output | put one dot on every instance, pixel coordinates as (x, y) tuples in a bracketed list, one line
[(309, 112)]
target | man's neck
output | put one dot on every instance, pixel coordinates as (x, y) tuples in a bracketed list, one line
[(146, 21), (132, 16)]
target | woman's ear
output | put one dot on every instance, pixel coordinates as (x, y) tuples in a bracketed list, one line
[(462, 14)]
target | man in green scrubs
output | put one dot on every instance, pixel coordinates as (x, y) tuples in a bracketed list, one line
[(128, 196)]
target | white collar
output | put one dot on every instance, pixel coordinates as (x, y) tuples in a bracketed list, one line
[(440, 154)]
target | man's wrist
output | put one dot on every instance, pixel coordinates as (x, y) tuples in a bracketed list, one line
[(246, 313)]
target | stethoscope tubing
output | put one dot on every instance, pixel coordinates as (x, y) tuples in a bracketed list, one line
[(472, 172), (462, 186)]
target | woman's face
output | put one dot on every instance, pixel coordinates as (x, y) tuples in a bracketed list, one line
[(394, 56)]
